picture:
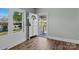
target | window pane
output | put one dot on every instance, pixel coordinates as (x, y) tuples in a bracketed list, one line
[(17, 21), (3, 21)]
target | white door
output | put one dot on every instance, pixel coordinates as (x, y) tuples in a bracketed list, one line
[(33, 20), (30, 27)]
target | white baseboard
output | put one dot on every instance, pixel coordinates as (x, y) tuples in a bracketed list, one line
[(64, 39), (14, 44)]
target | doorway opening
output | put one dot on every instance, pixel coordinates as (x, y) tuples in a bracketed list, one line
[(43, 25)]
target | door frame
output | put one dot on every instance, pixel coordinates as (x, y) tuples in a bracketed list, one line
[(40, 14)]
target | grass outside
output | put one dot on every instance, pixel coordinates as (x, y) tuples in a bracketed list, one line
[(16, 30), (3, 33)]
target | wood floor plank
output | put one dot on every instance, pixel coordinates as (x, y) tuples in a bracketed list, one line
[(40, 43)]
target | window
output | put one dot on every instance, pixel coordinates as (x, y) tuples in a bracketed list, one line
[(17, 21), (3, 21)]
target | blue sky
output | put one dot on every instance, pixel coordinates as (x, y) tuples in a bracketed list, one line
[(4, 11)]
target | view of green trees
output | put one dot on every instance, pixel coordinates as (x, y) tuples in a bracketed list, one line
[(17, 16), (17, 21)]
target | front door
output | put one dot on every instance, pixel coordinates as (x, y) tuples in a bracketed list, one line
[(33, 28)]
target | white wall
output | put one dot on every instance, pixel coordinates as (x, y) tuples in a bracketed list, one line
[(62, 22), (12, 39)]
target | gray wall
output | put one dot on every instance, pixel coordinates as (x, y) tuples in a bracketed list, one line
[(29, 9), (62, 22)]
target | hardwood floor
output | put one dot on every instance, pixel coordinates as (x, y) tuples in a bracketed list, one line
[(40, 43)]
